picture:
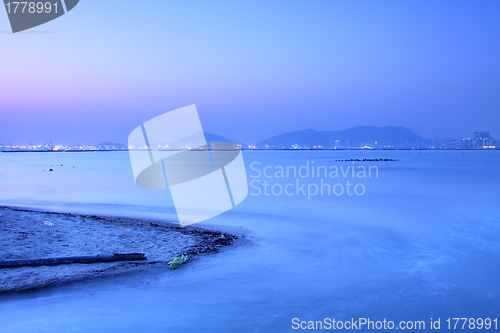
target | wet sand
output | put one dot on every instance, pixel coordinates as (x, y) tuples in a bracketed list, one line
[(28, 234)]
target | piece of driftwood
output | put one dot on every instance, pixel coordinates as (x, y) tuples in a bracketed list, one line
[(10, 263)]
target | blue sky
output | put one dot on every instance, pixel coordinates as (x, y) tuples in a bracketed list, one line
[(253, 68)]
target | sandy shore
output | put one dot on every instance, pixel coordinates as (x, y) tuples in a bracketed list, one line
[(28, 234)]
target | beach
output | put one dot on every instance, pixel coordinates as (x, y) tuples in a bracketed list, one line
[(31, 234)]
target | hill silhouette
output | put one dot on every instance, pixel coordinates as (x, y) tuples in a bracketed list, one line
[(359, 136)]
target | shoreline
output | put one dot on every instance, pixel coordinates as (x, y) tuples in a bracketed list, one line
[(266, 149), (33, 233)]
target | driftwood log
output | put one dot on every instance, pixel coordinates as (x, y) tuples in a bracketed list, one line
[(10, 263)]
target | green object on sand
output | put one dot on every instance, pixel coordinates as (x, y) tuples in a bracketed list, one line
[(178, 261)]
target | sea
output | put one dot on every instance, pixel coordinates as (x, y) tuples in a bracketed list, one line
[(328, 237)]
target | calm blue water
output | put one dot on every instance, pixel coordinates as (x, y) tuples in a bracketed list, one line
[(422, 242)]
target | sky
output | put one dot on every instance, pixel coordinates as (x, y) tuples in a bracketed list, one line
[(254, 69)]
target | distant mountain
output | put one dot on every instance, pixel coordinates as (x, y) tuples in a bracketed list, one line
[(217, 138), (184, 142), (360, 136), (112, 146)]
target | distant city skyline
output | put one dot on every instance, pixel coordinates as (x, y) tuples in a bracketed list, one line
[(480, 140), (52, 142), (254, 69)]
